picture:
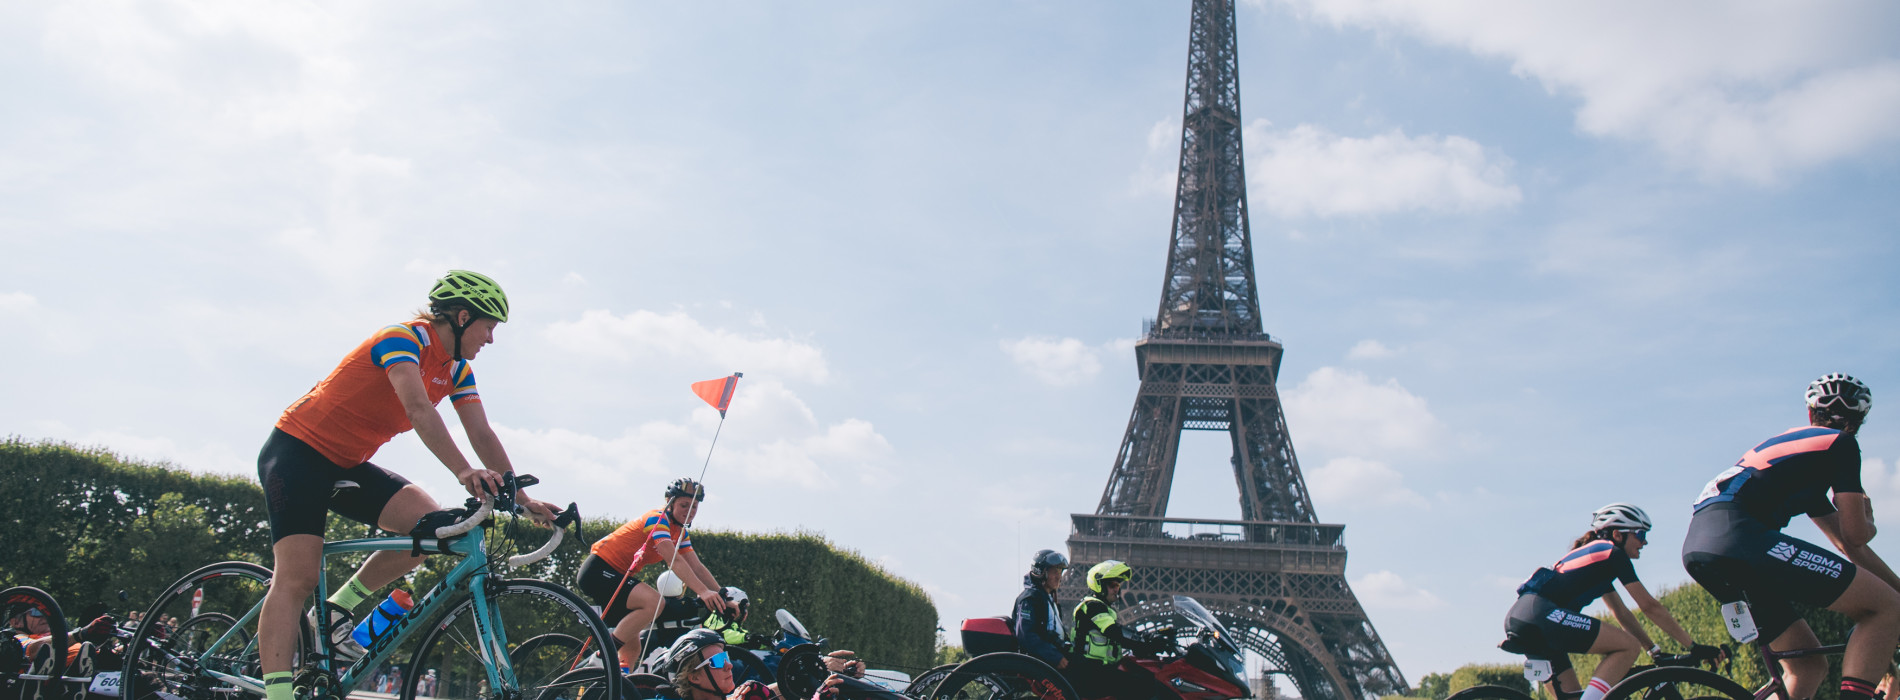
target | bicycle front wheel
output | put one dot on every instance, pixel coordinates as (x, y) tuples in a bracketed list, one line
[(1678, 683), (451, 661), (1489, 692)]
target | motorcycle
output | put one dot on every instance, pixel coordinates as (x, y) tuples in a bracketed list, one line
[(1210, 667)]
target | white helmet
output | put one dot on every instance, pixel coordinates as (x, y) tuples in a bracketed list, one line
[(1619, 516), (670, 585), (1840, 390), (740, 602)]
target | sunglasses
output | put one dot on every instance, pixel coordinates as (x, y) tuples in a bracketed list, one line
[(718, 660), (1640, 535), (33, 612)]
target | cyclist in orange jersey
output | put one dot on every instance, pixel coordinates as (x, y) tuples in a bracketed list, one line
[(388, 385), (608, 575)]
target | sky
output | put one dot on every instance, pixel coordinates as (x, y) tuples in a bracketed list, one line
[(1526, 259)]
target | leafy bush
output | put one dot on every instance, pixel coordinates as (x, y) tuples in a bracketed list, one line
[(1507, 675), (89, 523)]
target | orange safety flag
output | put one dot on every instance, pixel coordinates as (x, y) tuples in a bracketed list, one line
[(718, 392)]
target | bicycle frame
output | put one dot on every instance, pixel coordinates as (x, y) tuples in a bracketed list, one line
[(470, 575), (1776, 687)]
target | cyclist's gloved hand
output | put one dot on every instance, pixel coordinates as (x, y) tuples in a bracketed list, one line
[(99, 628), (480, 483)]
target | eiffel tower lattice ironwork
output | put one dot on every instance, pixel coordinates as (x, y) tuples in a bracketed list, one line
[(1277, 575)]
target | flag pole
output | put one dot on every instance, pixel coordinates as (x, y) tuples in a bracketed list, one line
[(725, 399)]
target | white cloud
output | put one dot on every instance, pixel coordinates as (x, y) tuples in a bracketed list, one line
[(18, 302), (1355, 482), (1308, 171), (1384, 589), (1342, 412), (772, 439), (1741, 90), (1053, 361), (647, 333), (1370, 349), (1882, 484), (1160, 165)]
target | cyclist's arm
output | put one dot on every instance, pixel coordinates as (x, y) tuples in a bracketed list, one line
[(1654, 610), (682, 567), (691, 557), (1861, 554), (1629, 622), (487, 446), (406, 378)]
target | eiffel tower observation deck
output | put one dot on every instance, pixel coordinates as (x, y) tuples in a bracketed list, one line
[(1276, 576)]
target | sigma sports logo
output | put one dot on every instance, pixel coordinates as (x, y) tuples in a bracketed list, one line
[(1782, 551), (1569, 619)]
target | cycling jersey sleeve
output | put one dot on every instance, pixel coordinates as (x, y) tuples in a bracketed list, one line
[(464, 384), (1625, 569), (395, 345), (1846, 455), (686, 542)]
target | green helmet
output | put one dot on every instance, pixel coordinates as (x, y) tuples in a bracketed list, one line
[(476, 290), (1104, 572)]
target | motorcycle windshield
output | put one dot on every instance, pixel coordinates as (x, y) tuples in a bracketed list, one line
[(1228, 649), (790, 625)]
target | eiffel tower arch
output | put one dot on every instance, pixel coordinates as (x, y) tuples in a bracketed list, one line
[(1276, 576)]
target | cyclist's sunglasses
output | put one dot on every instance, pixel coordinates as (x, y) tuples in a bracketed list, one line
[(33, 612), (1640, 535), (718, 660)]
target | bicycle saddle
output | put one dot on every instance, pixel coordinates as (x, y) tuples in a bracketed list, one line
[(1527, 643)]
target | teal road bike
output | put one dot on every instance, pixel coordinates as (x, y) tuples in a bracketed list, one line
[(483, 636)]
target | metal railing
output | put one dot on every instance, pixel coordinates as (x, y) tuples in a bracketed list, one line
[(1280, 534)]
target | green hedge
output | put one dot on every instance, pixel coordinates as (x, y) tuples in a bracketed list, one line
[(88, 524)]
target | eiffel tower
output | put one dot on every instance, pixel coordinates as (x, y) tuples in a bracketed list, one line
[(1276, 576)]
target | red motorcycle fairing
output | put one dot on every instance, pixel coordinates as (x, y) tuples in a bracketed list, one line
[(1216, 688)]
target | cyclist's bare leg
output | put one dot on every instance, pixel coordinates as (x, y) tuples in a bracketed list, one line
[(296, 560), (1619, 650), (1804, 674), (1565, 682), (399, 516), (1875, 609), (643, 603)]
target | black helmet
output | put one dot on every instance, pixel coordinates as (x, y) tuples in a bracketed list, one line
[(686, 487), (1045, 560), (686, 648)]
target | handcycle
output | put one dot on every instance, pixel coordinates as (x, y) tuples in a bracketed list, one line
[(89, 666), (467, 622)]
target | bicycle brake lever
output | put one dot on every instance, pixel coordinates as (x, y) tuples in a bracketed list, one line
[(571, 516)]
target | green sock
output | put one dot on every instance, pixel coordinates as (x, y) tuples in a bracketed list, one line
[(277, 686), (350, 595)]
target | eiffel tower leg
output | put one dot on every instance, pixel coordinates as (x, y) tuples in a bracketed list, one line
[(1144, 469), (1265, 467)]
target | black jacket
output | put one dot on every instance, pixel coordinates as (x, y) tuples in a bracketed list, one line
[(1037, 623)]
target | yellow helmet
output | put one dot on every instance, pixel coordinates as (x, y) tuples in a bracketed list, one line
[(1110, 570)]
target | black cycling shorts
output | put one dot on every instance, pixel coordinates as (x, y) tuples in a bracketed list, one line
[(300, 487), (600, 582), (1549, 632), (1733, 555)]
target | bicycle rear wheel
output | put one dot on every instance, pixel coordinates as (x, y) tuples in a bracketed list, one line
[(927, 681), (526, 610), (1004, 676), (1678, 683), (175, 650)]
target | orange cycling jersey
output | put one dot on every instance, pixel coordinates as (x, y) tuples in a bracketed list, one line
[(632, 546), (352, 412)]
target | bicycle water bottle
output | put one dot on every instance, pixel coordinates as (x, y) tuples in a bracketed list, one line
[(382, 617)]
